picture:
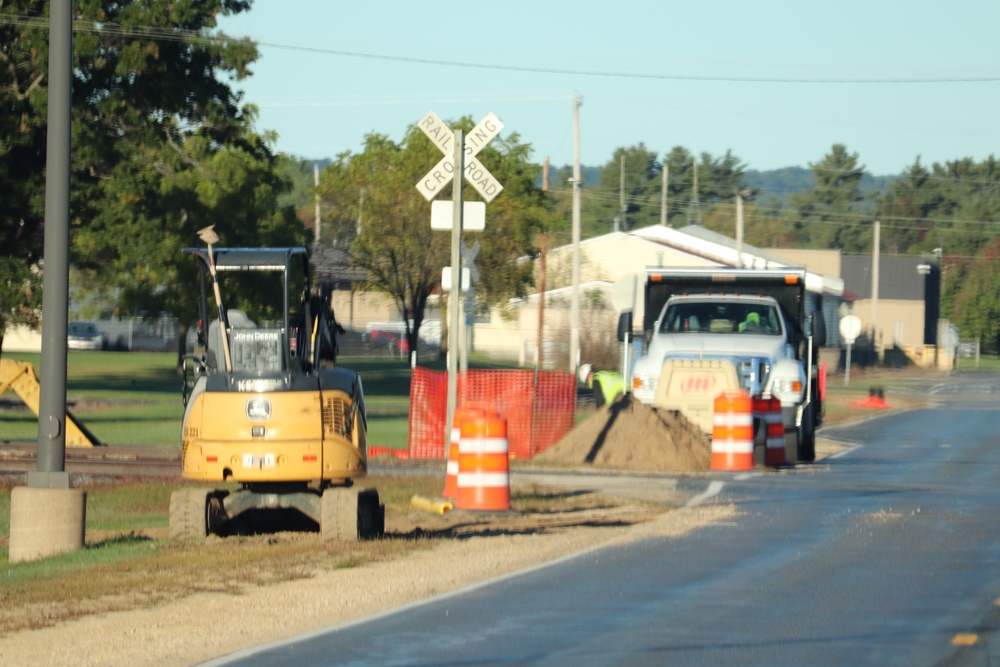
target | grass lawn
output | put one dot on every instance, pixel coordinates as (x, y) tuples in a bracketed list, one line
[(134, 398)]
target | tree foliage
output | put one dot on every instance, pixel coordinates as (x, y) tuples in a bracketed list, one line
[(830, 214), (370, 200), (161, 146)]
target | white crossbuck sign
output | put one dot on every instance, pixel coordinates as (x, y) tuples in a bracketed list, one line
[(475, 173)]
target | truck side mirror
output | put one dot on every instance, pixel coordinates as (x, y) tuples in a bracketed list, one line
[(625, 327)]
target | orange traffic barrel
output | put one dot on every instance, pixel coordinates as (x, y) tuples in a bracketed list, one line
[(462, 413), (483, 464), (732, 432)]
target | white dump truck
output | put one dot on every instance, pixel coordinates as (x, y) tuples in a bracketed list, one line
[(711, 330)]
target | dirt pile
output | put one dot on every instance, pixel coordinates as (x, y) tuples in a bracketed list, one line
[(629, 435)]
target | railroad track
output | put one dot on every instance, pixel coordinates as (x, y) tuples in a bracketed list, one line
[(104, 461)]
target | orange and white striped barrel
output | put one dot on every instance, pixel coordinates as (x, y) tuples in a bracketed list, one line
[(732, 432), (774, 455), (462, 412), (483, 464)]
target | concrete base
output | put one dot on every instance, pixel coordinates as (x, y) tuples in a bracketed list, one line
[(45, 522)]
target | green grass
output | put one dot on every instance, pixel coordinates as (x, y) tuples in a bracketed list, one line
[(134, 398)]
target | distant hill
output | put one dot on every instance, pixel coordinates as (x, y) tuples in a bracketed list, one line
[(778, 185)]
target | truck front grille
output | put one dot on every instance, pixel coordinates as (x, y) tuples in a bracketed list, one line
[(753, 373)]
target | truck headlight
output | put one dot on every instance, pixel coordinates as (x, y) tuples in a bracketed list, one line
[(789, 390), (787, 386)]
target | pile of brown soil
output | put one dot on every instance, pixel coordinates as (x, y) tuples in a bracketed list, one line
[(630, 435)]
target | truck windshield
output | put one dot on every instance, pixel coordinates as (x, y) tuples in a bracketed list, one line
[(721, 317)]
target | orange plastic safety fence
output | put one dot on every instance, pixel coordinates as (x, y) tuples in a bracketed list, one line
[(537, 415)]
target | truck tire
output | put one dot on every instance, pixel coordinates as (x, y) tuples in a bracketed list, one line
[(189, 514), (807, 441)]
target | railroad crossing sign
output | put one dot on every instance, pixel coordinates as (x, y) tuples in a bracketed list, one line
[(475, 173)]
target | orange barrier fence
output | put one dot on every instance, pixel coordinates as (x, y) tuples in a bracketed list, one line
[(538, 413), (732, 432)]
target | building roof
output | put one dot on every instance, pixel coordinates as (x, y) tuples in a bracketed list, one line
[(706, 244)]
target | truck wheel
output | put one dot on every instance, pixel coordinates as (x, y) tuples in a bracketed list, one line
[(189, 514), (807, 441)]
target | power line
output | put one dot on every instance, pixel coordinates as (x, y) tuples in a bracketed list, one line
[(180, 34)]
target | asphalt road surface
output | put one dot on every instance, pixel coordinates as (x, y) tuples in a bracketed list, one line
[(888, 554)]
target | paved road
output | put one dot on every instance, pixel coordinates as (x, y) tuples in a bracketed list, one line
[(886, 555)]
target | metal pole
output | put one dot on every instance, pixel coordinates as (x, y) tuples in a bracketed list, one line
[(574, 326), (455, 296), (55, 283), (663, 195), (876, 243), (739, 229)]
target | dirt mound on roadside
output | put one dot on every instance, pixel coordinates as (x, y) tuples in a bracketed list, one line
[(630, 435)]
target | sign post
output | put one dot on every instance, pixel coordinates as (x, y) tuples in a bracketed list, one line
[(459, 157), (850, 327)]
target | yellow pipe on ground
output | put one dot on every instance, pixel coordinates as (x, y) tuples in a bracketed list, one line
[(436, 505)]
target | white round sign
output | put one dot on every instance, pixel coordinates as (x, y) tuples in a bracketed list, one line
[(850, 327)]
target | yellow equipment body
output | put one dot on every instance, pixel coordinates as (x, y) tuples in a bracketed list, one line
[(304, 438), (268, 409)]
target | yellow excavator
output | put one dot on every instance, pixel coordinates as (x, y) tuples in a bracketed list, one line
[(268, 410)]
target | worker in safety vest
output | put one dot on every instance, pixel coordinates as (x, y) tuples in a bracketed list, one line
[(607, 385)]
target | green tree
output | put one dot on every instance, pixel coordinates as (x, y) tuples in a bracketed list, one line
[(975, 306), (161, 146), (831, 214), (633, 175), (718, 180), (375, 191)]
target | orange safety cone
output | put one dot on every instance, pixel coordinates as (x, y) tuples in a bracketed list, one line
[(732, 432), (774, 454), (463, 412), (483, 464)]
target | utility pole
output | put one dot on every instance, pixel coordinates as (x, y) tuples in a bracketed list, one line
[(739, 229), (574, 326), (316, 183), (48, 516), (663, 196), (875, 262), (621, 193), (694, 215)]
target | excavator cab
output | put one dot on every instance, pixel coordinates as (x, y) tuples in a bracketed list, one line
[(267, 407)]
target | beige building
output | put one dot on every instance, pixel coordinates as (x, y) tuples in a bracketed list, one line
[(512, 332)]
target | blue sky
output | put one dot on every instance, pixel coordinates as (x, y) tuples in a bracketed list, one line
[(776, 82)]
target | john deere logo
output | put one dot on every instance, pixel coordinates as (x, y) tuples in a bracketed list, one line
[(258, 409)]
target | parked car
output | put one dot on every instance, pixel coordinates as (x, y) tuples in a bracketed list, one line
[(389, 341), (84, 336)]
